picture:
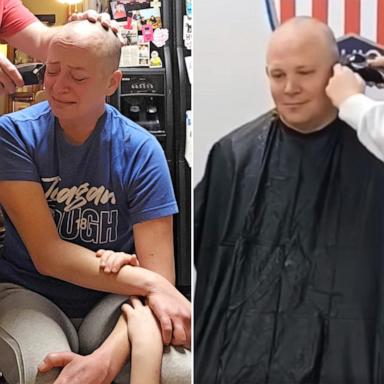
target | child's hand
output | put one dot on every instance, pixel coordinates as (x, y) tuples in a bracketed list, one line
[(143, 328), (146, 342), (111, 261)]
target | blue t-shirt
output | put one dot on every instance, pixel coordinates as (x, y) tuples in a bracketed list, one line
[(96, 191)]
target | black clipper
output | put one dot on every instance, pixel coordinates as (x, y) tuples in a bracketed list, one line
[(32, 73)]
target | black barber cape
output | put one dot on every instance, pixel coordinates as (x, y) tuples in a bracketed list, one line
[(289, 241)]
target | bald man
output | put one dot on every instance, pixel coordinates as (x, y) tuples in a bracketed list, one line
[(75, 177), (288, 235)]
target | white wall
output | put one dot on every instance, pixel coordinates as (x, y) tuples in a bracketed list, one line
[(230, 85)]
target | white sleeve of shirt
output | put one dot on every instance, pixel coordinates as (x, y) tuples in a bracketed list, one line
[(366, 116)]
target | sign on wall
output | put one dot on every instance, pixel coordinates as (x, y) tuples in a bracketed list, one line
[(358, 25)]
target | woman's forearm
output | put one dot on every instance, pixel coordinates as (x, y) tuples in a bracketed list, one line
[(80, 266)]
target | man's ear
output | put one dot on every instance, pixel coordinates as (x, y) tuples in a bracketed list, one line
[(266, 71), (114, 82)]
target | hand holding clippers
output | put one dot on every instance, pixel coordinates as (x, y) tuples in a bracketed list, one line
[(358, 63)]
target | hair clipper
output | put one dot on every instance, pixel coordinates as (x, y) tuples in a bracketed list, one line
[(357, 62), (32, 73)]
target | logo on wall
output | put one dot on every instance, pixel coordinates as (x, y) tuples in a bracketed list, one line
[(358, 26)]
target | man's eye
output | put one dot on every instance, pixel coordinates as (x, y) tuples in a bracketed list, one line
[(79, 79), (305, 73), (277, 75), (52, 72)]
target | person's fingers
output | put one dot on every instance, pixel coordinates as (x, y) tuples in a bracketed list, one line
[(166, 328), (12, 73), (112, 261), (120, 259), (187, 324), (134, 260), (347, 70), (114, 26), (89, 14), (187, 329), (7, 85), (10, 78), (100, 252), (359, 78), (56, 359), (131, 259), (108, 261), (115, 262), (179, 336), (341, 69), (75, 16), (136, 302), (127, 310), (337, 68), (105, 19), (376, 62), (104, 260)]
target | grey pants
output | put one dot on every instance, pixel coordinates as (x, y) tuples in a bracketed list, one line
[(31, 326)]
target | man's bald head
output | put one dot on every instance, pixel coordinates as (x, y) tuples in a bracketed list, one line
[(104, 44), (300, 58), (303, 29)]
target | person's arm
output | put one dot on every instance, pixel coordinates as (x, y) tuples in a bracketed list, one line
[(154, 248), (154, 244), (366, 116), (146, 344), (377, 62), (112, 262), (28, 210), (34, 39), (100, 367)]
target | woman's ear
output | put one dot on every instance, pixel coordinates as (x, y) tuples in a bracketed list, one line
[(114, 82)]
